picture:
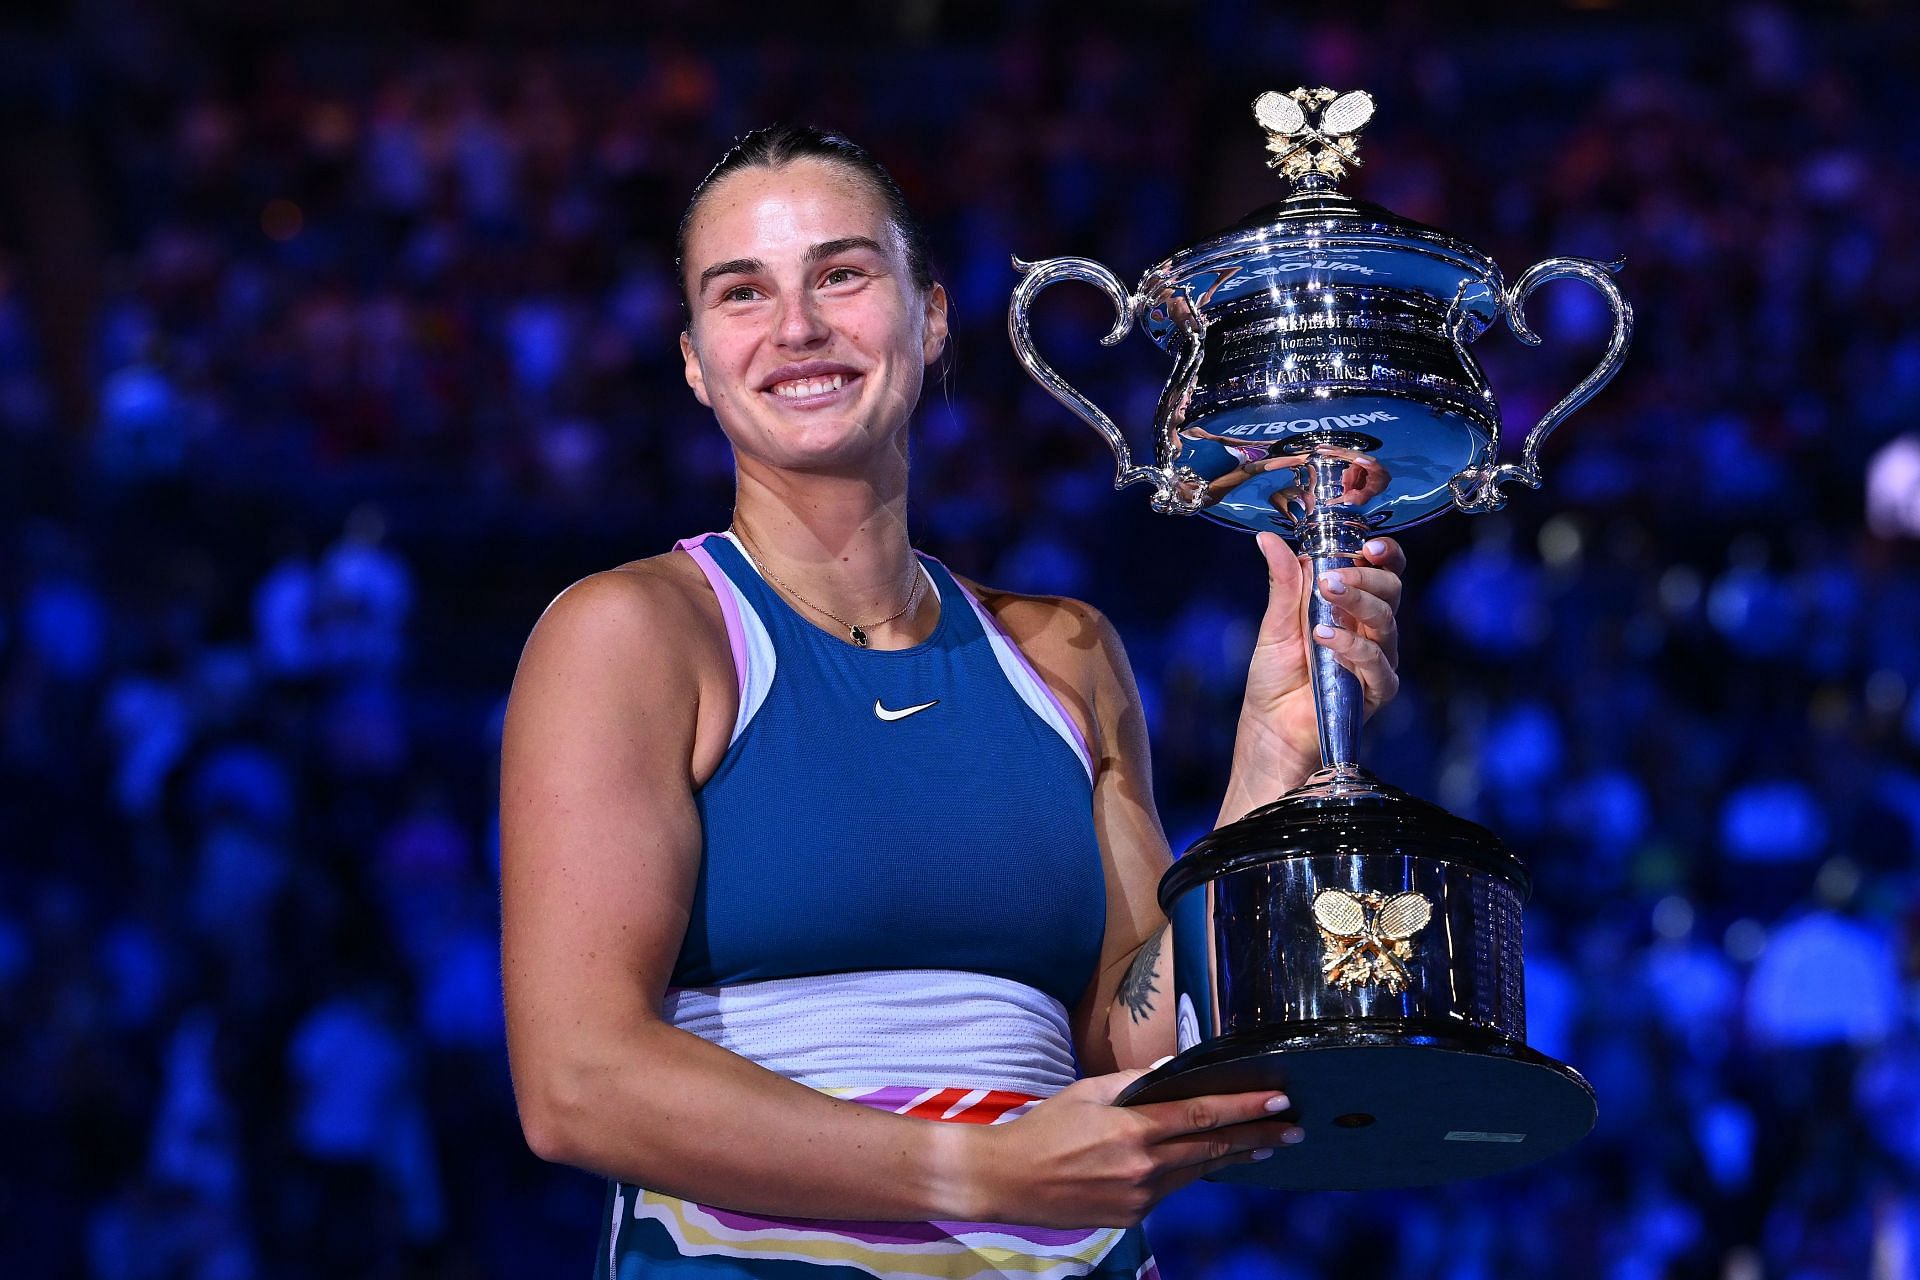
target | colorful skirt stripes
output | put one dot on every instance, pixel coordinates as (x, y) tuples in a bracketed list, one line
[(649, 1236)]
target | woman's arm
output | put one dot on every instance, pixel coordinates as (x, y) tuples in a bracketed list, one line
[(600, 846), (1126, 1019), (1131, 1020), (621, 701)]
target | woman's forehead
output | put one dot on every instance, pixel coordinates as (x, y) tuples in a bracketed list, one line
[(764, 212)]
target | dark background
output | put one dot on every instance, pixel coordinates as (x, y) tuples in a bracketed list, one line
[(334, 343)]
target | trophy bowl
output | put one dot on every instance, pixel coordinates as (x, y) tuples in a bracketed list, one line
[(1349, 943)]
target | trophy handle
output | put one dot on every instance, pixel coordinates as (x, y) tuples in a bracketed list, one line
[(1035, 276), (1478, 489)]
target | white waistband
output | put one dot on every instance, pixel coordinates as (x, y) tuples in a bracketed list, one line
[(925, 1027)]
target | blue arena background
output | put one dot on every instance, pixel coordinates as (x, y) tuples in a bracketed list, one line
[(331, 349)]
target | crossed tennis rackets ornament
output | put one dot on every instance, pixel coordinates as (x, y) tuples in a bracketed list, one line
[(1369, 936), (1325, 146)]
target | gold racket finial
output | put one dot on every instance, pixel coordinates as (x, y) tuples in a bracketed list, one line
[(1368, 937), (1313, 131)]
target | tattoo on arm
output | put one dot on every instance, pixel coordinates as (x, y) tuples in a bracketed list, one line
[(1137, 988)]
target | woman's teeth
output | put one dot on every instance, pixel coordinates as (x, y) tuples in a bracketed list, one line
[(798, 387)]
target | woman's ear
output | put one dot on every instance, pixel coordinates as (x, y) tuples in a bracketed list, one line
[(936, 338), (691, 369)]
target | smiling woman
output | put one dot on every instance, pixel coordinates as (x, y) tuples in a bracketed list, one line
[(811, 345), (826, 873)]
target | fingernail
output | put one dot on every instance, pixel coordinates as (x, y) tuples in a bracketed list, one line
[(1377, 547), (1324, 631), (1263, 1153), (1161, 1063), (1278, 1102), (1294, 1136), (1333, 583)]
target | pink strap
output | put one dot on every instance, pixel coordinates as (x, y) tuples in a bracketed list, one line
[(723, 591)]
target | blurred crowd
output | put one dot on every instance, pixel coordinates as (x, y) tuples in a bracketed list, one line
[(378, 354)]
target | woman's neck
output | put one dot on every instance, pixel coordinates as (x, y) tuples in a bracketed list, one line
[(839, 546)]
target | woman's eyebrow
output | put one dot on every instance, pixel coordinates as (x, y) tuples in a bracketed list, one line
[(731, 267), (828, 248)]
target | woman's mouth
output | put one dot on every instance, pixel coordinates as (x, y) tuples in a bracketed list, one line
[(814, 392)]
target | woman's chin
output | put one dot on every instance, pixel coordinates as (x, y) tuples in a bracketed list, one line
[(848, 453)]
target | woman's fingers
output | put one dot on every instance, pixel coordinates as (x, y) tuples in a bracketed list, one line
[(1199, 1171), (1366, 659), (1368, 608), (1170, 1120), (1224, 1144), (1285, 574), (1365, 596), (1364, 614), (1385, 553), (1077, 1158), (1181, 1177), (1375, 582)]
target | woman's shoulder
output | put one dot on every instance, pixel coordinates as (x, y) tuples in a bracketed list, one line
[(644, 611), (645, 638), (1067, 640), (1046, 621), (665, 589)]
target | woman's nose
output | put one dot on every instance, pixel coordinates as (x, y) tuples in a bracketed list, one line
[(799, 322)]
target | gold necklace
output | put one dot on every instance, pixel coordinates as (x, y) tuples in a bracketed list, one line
[(856, 632)]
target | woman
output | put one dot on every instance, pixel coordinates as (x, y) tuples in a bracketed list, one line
[(810, 848)]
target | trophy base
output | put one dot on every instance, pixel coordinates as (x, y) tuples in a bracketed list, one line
[(1388, 1109)]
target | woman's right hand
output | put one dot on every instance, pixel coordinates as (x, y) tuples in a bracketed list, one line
[(1078, 1160)]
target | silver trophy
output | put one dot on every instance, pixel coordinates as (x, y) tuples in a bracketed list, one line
[(1350, 943)]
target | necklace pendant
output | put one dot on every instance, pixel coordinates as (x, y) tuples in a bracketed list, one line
[(856, 635)]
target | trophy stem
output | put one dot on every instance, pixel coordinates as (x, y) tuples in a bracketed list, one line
[(1332, 534)]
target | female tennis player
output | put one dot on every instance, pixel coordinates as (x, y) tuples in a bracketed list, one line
[(828, 876)]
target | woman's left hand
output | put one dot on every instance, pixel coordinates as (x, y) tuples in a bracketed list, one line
[(1278, 742)]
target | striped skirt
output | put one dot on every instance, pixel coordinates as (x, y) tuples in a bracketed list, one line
[(938, 1045)]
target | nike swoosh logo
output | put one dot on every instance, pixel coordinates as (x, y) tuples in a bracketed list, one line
[(903, 713)]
